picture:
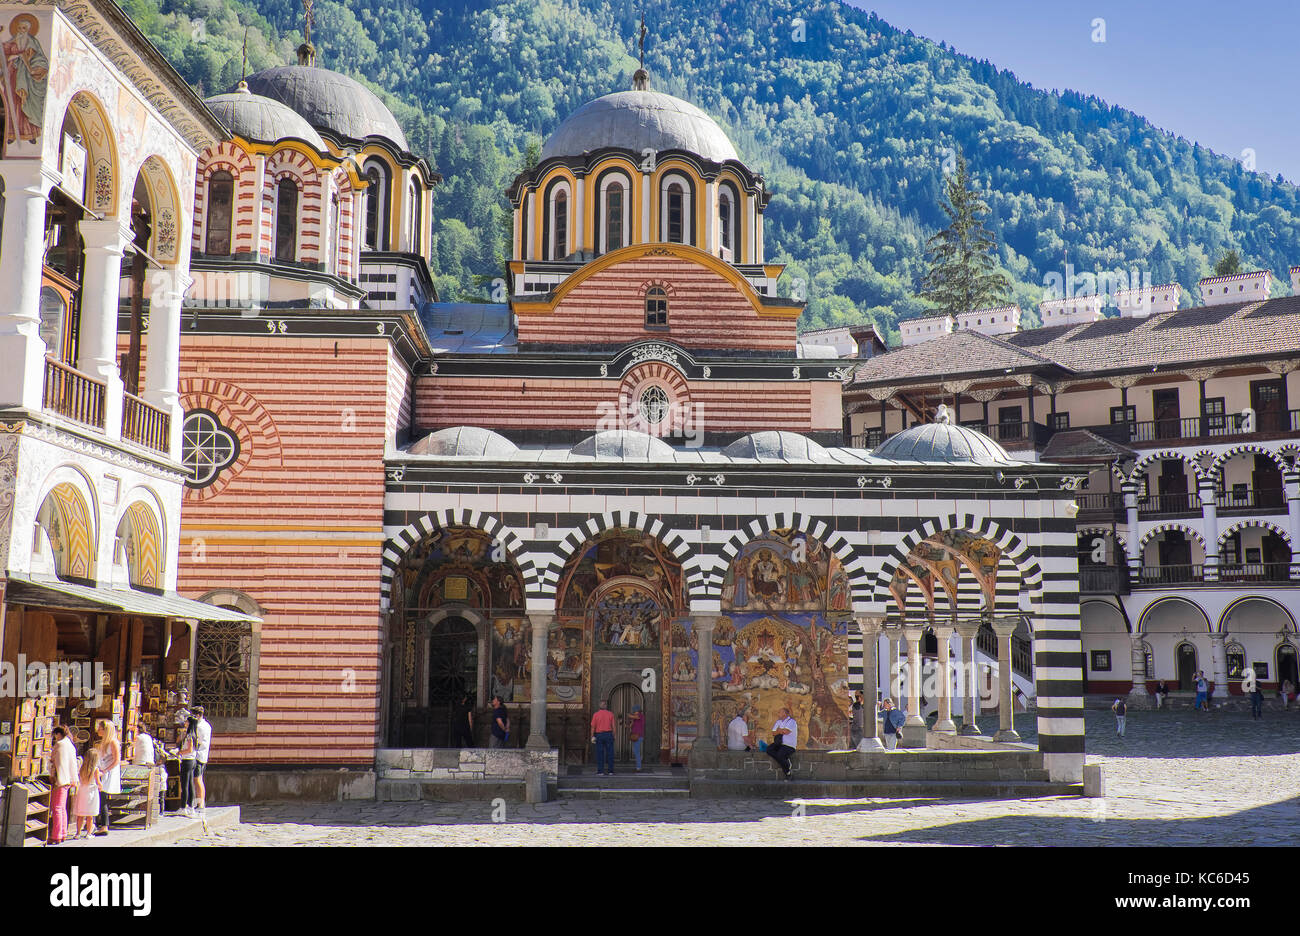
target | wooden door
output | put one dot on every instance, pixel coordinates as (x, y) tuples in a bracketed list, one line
[(1268, 400), (1267, 481), (1185, 661), (624, 700), (453, 671), (1172, 485), (1167, 417)]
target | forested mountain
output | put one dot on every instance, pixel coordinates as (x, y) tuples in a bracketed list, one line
[(848, 118)]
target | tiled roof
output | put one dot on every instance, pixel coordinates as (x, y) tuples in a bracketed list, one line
[(1074, 444), (1207, 334)]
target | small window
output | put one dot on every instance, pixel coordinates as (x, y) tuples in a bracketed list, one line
[(614, 216), (1060, 422), (676, 213), (221, 197), (724, 220), (1120, 415), (561, 225), (654, 404), (656, 307), (286, 220)]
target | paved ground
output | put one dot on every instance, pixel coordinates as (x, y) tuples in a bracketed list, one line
[(1179, 778)]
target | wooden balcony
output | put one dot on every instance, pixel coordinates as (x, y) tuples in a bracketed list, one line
[(72, 394), (145, 424)]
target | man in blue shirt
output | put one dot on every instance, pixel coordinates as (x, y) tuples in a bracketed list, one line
[(500, 723)]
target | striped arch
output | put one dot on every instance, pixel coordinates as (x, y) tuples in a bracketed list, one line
[(412, 534), (1290, 451), (1245, 448), (1013, 548), (244, 415), (141, 534), (232, 158), (65, 517), (1172, 525), (1150, 458), (1262, 524), (854, 567), (614, 520), (1120, 542)]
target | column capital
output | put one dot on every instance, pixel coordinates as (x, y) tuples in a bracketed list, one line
[(1004, 628), (541, 618), (869, 625), (943, 631), (967, 631), (913, 631), (1217, 636), (106, 234)]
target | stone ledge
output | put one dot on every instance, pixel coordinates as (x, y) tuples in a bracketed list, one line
[(909, 789)]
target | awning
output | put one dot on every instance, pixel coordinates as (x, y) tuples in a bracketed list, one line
[(55, 593)]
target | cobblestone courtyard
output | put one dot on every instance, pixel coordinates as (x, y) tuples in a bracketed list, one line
[(1178, 778)]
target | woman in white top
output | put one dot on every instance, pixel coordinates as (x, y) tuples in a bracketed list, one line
[(188, 746), (110, 770)]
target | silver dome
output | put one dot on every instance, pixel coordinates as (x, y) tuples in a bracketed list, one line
[(261, 119), (639, 120), (465, 441), (329, 101), (942, 442), (784, 446), (624, 444)]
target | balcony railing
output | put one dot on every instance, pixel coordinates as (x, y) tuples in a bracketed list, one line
[(1277, 573), (1255, 572), (145, 424), (73, 394), (1155, 505), (1170, 575), (1251, 499), (1092, 506), (1102, 579)]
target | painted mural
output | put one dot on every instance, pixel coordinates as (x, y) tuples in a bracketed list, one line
[(628, 614), (565, 664), (621, 553), (935, 566), (462, 566), (511, 650), (27, 70), (782, 642)]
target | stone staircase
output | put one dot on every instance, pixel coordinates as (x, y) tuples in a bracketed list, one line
[(582, 782)]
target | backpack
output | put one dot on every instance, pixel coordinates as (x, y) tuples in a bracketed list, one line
[(1122, 708)]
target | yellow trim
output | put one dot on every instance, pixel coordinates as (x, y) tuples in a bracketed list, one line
[(632, 210), (539, 205), (679, 165), (683, 251), (773, 270)]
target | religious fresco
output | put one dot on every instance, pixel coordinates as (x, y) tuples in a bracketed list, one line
[(511, 652), (939, 562), (565, 665), (26, 75), (785, 570), (465, 567), (626, 613), (621, 553)]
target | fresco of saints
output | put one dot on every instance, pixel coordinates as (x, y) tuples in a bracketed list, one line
[(765, 575), (26, 71)]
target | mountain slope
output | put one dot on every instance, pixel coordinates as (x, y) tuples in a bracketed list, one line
[(850, 119)]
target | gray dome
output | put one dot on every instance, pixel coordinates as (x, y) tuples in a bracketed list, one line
[(625, 444), (329, 101), (942, 442), (638, 120), (261, 119), (468, 441), (785, 446)]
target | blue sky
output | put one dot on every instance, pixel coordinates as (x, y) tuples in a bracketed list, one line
[(1225, 75)]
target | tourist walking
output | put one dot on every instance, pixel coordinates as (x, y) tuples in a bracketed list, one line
[(86, 802), (1202, 688), (1257, 701), (602, 733), (892, 720), (738, 733), (636, 731), (1120, 708), (855, 721), (1161, 692), (110, 770), (63, 775), (1288, 693), (500, 723), (202, 744), (186, 753), (462, 730), (785, 738)]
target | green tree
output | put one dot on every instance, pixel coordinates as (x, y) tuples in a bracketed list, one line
[(963, 272), (1228, 264)]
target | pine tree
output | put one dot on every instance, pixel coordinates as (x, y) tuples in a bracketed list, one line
[(963, 275), (1229, 264)]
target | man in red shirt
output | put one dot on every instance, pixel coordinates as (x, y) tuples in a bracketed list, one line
[(602, 732)]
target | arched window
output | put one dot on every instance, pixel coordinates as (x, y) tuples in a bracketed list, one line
[(286, 220), (221, 199), (676, 221), (413, 235), (335, 239), (560, 226), (656, 307), (613, 216), (726, 224), (376, 196)]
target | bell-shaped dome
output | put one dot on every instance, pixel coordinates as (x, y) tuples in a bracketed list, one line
[(780, 446), (624, 444), (261, 119), (942, 441), (638, 120), (329, 101), (465, 441)]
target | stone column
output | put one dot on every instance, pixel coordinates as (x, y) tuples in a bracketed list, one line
[(1205, 489), (1134, 545), (105, 243), (22, 249), (532, 226), (1219, 665), (869, 625), (914, 718), (967, 633), (1138, 696), (1291, 484), (894, 690), (163, 344), (944, 676), (1006, 731), (711, 234), (579, 222), (541, 624), (704, 682)]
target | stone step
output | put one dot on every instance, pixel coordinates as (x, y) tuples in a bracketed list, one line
[(906, 789), (568, 792)]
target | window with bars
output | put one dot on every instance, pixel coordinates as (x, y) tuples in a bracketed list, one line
[(286, 220), (221, 199), (225, 672), (656, 307)]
